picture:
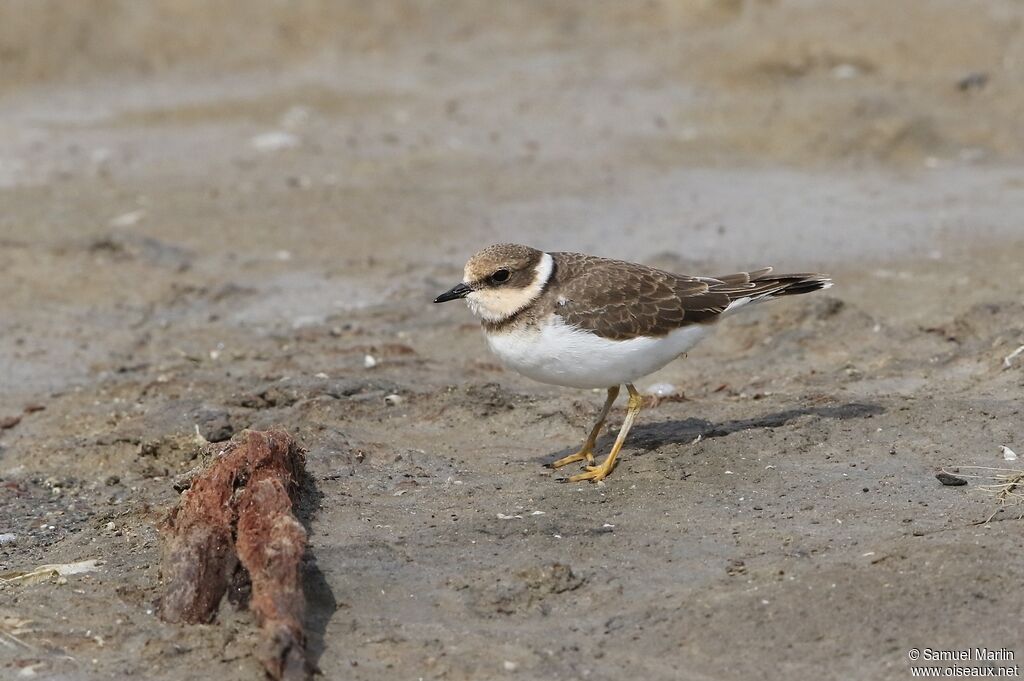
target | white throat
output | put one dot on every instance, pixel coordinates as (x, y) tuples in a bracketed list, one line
[(496, 305)]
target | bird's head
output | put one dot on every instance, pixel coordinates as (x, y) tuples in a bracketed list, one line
[(501, 280)]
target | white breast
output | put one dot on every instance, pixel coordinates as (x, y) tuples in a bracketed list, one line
[(560, 354)]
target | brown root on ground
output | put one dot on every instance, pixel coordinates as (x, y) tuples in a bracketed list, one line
[(239, 512)]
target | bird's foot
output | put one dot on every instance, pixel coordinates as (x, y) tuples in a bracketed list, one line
[(584, 453), (595, 473)]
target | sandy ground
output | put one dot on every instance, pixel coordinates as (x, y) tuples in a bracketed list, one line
[(209, 233)]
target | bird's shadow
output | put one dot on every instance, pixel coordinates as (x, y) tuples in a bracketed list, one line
[(648, 436), (320, 602)]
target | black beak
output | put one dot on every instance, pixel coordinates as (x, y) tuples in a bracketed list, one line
[(455, 292)]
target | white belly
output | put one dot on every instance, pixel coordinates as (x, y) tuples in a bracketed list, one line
[(559, 354)]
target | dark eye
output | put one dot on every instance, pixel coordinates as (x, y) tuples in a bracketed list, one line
[(500, 277)]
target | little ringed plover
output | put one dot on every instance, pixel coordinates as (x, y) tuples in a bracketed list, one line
[(586, 322)]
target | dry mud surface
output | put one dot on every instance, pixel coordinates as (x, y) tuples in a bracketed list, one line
[(202, 236)]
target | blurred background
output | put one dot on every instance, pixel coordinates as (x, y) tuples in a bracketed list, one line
[(233, 214), (361, 151), (802, 129), (376, 142)]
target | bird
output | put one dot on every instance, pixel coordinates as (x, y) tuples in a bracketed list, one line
[(583, 321)]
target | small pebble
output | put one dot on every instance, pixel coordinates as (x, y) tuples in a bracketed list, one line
[(661, 390), (274, 141), (393, 400), (128, 219), (949, 479), (7, 538), (975, 80), (845, 71)]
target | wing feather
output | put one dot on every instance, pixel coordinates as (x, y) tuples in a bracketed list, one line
[(621, 300)]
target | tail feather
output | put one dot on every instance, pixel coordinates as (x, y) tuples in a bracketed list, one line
[(803, 283), (746, 287)]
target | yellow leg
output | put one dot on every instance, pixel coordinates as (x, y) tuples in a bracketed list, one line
[(588, 447), (597, 473)]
